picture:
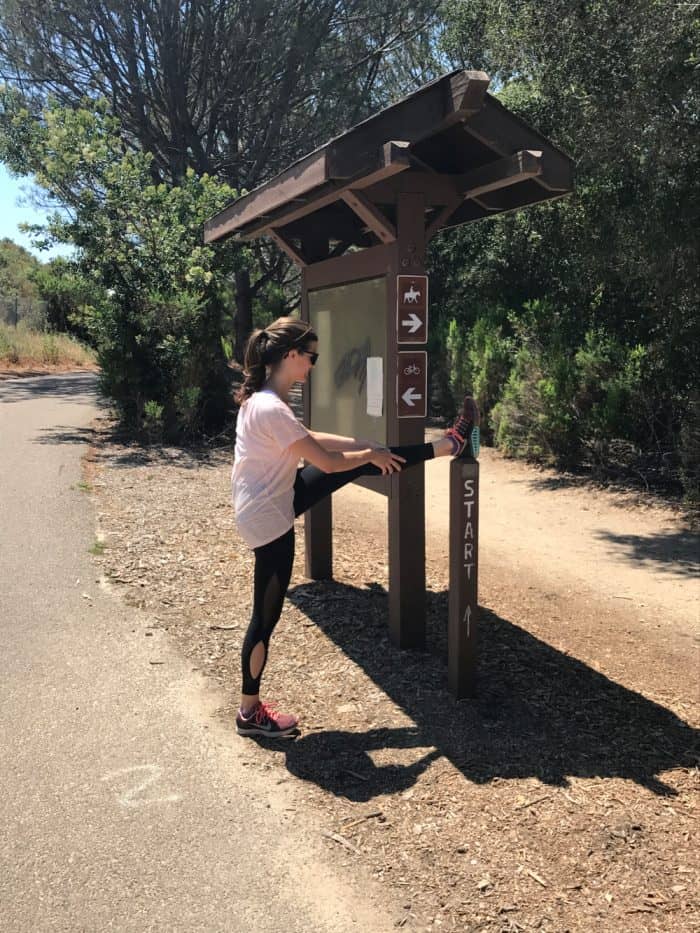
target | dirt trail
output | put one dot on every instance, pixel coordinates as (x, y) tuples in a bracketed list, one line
[(563, 797), (567, 538)]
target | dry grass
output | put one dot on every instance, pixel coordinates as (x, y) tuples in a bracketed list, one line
[(22, 347)]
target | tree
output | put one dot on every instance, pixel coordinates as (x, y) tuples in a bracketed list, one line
[(147, 292), (17, 266), (236, 89), (617, 85)]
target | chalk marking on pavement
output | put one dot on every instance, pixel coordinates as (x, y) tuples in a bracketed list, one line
[(128, 799)]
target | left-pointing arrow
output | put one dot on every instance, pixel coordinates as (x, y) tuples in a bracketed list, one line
[(410, 396)]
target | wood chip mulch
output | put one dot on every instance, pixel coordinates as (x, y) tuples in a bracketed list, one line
[(559, 800)]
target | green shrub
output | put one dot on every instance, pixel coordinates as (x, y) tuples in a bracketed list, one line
[(144, 289), (458, 375), (525, 421), (489, 360), (689, 451), (153, 420)]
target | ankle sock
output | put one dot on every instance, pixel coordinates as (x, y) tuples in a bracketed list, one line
[(456, 445)]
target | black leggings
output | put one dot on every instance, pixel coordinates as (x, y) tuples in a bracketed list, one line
[(273, 561)]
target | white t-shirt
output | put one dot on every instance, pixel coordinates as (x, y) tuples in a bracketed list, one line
[(264, 471)]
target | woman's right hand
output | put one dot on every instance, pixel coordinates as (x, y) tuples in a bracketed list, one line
[(387, 461)]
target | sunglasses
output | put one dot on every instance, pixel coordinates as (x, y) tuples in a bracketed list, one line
[(312, 356)]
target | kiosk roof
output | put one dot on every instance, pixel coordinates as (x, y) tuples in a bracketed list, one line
[(468, 154)]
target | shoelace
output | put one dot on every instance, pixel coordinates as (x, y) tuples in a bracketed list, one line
[(265, 711)]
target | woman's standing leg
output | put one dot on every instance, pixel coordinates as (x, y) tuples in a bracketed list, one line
[(273, 571)]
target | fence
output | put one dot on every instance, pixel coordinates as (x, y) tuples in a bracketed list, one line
[(29, 311)]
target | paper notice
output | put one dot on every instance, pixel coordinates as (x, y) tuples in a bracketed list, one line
[(375, 386)]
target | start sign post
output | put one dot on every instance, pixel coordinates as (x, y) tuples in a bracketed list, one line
[(464, 567)]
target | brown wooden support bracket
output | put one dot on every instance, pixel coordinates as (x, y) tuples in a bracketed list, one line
[(370, 214), (288, 247), (486, 178), (501, 132)]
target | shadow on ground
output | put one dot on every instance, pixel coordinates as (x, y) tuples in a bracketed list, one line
[(679, 550), (539, 712), (79, 387), (82, 387)]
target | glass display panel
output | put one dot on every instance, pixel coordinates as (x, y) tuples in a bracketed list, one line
[(350, 321)]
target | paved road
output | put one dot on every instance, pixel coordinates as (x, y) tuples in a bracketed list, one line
[(124, 805)]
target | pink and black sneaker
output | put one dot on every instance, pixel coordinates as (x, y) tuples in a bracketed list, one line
[(264, 720), (466, 421)]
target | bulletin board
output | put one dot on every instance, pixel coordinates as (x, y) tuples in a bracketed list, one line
[(348, 383)]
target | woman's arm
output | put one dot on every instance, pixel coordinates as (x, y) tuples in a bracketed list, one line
[(336, 461), (337, 442)]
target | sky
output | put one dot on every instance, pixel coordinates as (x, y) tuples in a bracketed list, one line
[(13, 191)]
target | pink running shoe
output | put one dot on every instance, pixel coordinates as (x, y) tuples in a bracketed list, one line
[(461, 430), (265, 720)]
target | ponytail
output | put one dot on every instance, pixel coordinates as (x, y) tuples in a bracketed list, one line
[(254, 367)]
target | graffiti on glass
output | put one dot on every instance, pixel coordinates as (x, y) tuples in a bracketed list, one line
[(353, 365)]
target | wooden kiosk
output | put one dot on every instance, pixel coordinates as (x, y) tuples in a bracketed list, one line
[(355, 215)]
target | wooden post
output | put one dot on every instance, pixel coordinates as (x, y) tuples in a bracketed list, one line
[(318, 521), (464, 566), (407, 489)]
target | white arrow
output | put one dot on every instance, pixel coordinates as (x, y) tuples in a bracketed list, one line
[(467, 618), (413, 323), (410, 396)]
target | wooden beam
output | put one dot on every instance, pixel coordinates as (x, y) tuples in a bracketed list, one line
[(298, 179), (467, 89), (490, 177), (363, 264), (370, 214), (424, 113), (444, 215), (502, 131), (499, 174), (394, 159), (288, 247)]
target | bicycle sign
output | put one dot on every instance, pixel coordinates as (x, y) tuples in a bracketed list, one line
[(412, 384), (412, 308)]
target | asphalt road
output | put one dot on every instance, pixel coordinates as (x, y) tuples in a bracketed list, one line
[(124, 805)]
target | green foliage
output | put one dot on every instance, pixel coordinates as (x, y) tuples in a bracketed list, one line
[(535, 417), (146, 291), (66, 292), (153, 420), (689, 452), (457, 369), (618, 259), (17, 269), (567, 409)]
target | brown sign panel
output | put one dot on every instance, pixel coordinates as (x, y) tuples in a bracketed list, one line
[(412, 384), (412, 308)]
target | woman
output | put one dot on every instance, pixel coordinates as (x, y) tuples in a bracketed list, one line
[(269, 490)]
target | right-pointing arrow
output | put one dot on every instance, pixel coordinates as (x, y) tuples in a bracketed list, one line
[(413, 322), (410, 396)]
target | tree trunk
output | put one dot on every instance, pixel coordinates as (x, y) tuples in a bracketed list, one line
[(244, 313)]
